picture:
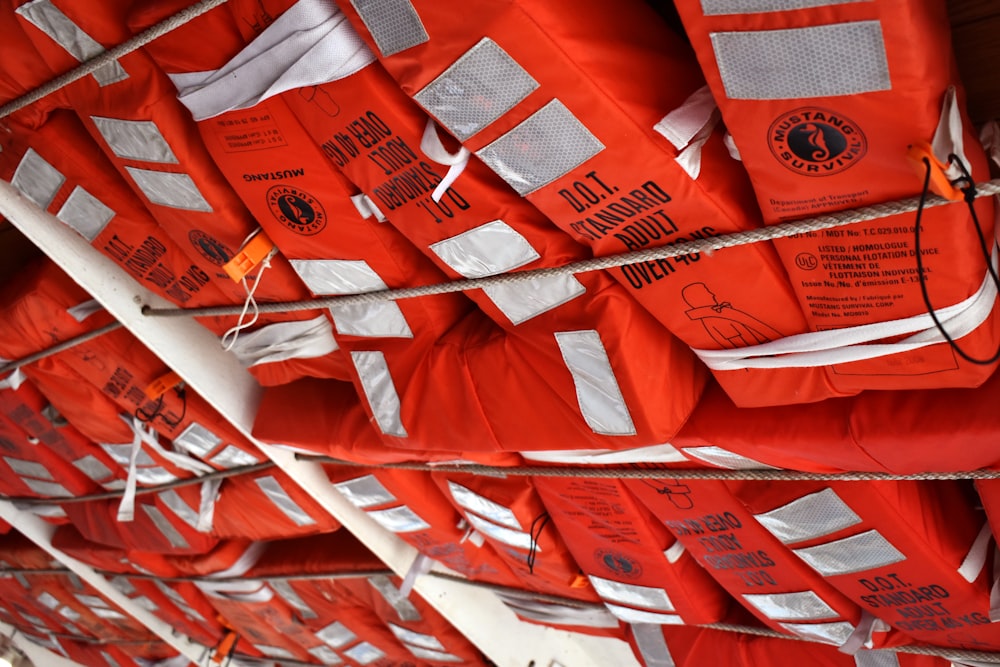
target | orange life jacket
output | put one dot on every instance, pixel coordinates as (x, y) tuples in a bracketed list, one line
[(643, 574)]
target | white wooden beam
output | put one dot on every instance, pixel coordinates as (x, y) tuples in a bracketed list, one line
[(194, 353)]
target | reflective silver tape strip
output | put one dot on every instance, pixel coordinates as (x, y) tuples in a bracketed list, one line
[(49, 511), (395, 598), (70, 613), (598, 395), (288, 594), (828, 633), (49, 489), (90, 601), (85, 213), (36, 179), (154, 475), (365, 653), (135, 139), (173, 500), (169, 189), (801, 606), (857, 553), (325, 655), (515, 538), (108, 659), (123, 585), (486, 250), (720, 7), (652, 646), (164, 526), (380, 392), (723, 458), (336, 635), (522, 301), (483, 506), (821, 61), (197, 440), (48, 600), (53, 22), (630, 615), (280, 498), (342, 276), (433, 656), (394, 24), (383, 319), (338, 276), (865, 658), (646, 597), (399, 520), (146, 603), (104, 612), (482, 85), (274, 651), (814, 515), (28, 468), (546, 146), (415, 638), (233, 457), (365, 491)]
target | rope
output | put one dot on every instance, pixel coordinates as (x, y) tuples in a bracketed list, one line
[(651, 471), (146, 490), (114, 53), (59, 347), (829, 221)]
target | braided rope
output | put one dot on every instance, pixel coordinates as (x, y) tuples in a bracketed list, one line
[(828, 221), (112, 54), (60, 347), (652, 471)]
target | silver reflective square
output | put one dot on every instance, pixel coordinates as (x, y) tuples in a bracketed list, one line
[(482, 85), (857, 553), (801, 606), (394, 24), (547, 145), (808, 517)]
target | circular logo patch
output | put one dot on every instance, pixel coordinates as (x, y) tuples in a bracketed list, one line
[(619, 563), (296, 209), (212, 250), (816, 142)]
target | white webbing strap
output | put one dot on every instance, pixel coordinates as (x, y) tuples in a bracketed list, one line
[(14, 380), (145, 435), (312, 43), (995, 590), (861, 636), (990, 137), (206, 510), (839, 346), (298, 339), (85, 309), (948, 139), (421, 565), (367, 208), (974, 561), (249, 591), (432, 147), (689, 126)]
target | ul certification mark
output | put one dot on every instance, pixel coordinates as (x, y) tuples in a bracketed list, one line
[(806, 261), (816, 142), (296, 209)]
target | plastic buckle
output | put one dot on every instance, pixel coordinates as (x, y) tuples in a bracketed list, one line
[(256, 250), (162, 385), (940, 183), (580, 581)]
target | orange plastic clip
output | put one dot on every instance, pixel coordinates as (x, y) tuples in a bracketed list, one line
[(256, 250), (580, 581), (940, 183), (161, 385)]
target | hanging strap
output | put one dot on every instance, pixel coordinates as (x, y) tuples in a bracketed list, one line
[(689, 126), (432, 147), (310, 44), (838, 346)]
